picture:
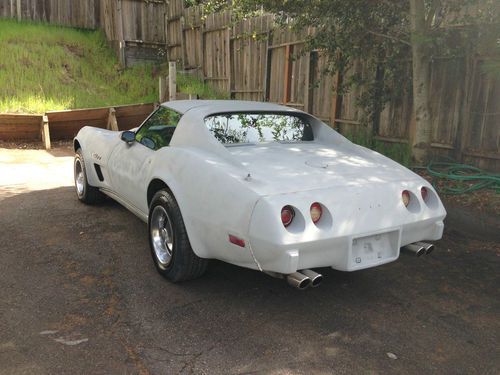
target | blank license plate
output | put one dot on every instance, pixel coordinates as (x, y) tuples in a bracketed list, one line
[(377, 248)]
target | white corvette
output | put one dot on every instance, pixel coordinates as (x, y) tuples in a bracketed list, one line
[(260, 186)]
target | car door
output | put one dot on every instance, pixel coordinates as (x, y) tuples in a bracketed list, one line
[(130, 163)]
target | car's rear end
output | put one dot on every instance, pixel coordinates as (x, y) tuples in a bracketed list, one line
[(322, 201), (334, 205), (347, 227)]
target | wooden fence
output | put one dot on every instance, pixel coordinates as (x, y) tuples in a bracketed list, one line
[(64, 125), (83, 14), (136, 28), (253, 61)]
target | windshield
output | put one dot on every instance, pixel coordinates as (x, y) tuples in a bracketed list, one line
[(235, 128)]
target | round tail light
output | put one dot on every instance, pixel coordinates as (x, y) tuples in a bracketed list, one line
[(425, 193), (287, 215), (316, 212), (405, 196)]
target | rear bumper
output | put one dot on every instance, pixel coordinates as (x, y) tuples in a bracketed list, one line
[(346, 253), (358, 231)]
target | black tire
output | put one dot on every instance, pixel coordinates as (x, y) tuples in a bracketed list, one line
[(86, 193), (183, 264)]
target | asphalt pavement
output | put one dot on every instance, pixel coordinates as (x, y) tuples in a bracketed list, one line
[(79, 295)]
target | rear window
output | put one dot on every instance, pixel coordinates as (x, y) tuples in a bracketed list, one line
[(237, 128)]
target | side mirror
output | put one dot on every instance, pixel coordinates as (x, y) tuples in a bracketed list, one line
[(128, 136)]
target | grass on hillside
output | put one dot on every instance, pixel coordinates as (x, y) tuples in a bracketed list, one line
[(46, 67)]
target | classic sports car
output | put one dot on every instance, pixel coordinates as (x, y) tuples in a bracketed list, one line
[(257, 185)]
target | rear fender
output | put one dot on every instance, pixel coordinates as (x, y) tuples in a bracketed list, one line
[(214, 201)]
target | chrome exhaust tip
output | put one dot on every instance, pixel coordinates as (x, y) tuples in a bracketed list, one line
[(415, 249), (298, 280), (316, 278), (429, 248)]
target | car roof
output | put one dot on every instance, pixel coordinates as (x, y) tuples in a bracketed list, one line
[(218, 106)]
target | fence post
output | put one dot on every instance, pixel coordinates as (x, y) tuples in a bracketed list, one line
[(44, 130), (18, 9), (121, 50), (172, 80), (112, 122), (120, 33)]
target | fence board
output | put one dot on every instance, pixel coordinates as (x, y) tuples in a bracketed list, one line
[(20, 127), (322, 89), (484, 117), (446, 86), (192, 27), (173, 30), (249, 43), (216, 40)]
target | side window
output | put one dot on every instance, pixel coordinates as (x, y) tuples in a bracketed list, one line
[(158, 130)]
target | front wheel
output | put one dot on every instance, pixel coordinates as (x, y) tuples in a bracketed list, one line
[(170, 248), (86, 193)]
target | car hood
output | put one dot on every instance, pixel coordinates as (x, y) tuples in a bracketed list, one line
[(277, 168)]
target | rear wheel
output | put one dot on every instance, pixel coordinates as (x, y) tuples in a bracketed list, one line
[(170, 248), (86, 193)]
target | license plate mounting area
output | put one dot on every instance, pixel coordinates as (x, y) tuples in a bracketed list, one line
[(373, 249)]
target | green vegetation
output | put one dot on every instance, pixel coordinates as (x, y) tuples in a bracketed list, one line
[(400, 152), (46, 67), (192, 85)]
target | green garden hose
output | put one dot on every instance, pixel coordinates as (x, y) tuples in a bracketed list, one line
[(462, 178)]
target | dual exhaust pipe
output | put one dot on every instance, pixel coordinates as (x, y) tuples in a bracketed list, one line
[(301, 279), (304, 279), (418, 248), (308, 278)]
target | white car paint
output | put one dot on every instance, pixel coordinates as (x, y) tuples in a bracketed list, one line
[(241, 189)]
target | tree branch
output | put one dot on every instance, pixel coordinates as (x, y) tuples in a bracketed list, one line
[(389, 37)]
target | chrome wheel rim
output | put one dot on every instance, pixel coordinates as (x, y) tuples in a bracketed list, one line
[(79, 178), (162, 235)]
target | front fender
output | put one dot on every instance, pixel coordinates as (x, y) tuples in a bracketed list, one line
[(97, 145)]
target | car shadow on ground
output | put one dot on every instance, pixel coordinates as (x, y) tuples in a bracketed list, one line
[(85, 273)]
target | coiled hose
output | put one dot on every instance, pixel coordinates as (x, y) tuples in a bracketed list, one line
[(462, 178)]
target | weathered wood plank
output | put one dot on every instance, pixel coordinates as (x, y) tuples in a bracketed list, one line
[(44, 130)]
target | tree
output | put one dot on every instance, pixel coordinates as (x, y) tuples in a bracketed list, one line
[(382, 34)]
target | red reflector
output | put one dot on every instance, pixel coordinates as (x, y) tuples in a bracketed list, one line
[(424, 193), (316, 212), (237, 241), (287, 214), (405, 196)]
